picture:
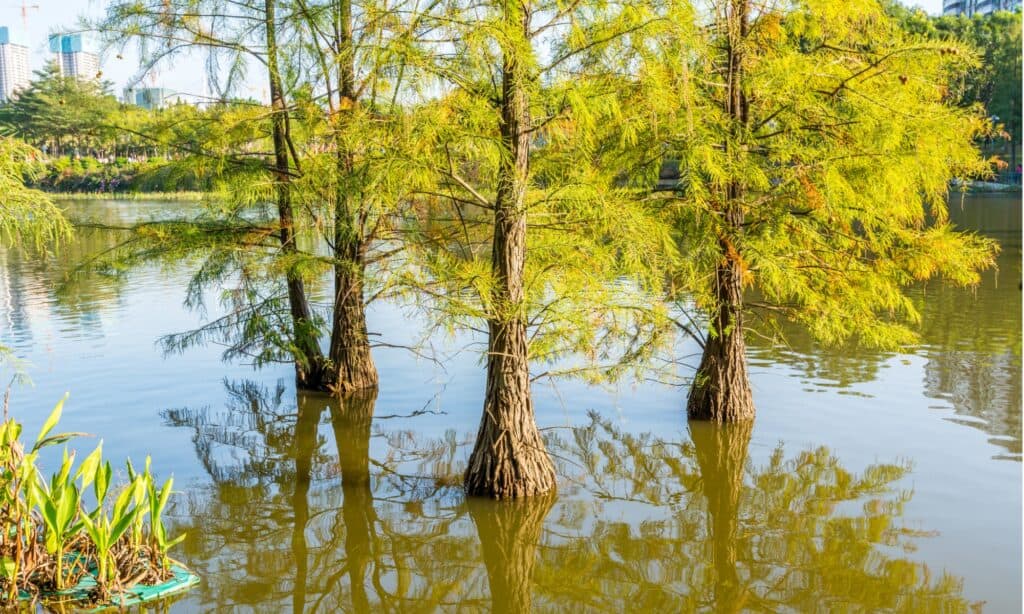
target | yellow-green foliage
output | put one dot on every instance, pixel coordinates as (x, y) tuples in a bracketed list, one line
[(844, 163), (27, 217), (591, 245)]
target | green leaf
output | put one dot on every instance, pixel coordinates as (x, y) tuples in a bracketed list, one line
[(102, 482), (123, 500), (8, 567), (87, 470), (67, 507), (174, 542), (122, 525), (52, 420), (165, 494), (57, 439), (94, 532)]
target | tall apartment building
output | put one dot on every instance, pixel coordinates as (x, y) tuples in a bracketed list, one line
[(978, 7), (14, 72), (148, 97), (73, 57)]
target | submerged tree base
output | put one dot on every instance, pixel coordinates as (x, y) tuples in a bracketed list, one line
[(721, 387), (509, 459)]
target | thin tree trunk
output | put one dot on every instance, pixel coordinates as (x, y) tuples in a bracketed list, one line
[(309, 359), (351, 360), (721, 451), (351, 418), (721, 386), (509, 458), (509, 533)]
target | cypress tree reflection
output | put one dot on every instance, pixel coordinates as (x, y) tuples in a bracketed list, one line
[(721, 454), (709, 530), (374, 521), (288, 520), (509, 534), (351, 418)]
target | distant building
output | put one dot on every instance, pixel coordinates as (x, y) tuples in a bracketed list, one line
[(14, 72), (978, 7), (74, 58), (148, 97)]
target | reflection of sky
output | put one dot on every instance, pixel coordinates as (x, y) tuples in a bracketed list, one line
[(120, 384)]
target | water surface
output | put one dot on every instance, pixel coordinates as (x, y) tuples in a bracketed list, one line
[(870, 481)]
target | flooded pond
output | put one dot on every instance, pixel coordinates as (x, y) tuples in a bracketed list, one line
[(870, 481)]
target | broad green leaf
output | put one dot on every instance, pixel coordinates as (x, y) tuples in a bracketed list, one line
[(52, 420), (87, 470), (122, 525)]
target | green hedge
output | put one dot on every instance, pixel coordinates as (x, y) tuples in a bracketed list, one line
[(89, 175)]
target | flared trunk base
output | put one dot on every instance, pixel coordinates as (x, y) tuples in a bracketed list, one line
[(721, 387), (509, 459)]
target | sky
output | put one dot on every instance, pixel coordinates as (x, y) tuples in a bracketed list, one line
[(45, 17)]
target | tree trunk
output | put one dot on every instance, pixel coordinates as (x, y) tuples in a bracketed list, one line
[(509, 533), (309, 367), (352, 365), (351, 418), (721, 386), (509, 458), (721, 451)]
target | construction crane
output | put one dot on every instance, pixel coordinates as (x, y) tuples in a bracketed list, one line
[(25, 7)]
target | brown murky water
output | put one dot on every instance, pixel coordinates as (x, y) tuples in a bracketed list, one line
[(870, 481)]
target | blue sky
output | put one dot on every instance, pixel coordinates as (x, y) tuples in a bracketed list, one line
[(184, 76)]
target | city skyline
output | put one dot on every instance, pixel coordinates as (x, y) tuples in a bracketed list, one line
[(120, 67), (64, 16), (14, 65)]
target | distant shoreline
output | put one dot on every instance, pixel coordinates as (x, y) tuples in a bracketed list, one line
[(979, 187), (170, 196)]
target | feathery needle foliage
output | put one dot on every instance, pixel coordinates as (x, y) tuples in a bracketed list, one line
[(816, 142)]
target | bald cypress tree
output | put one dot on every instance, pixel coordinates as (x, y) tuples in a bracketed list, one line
[(336, 137), (544, 244), (816, 143)]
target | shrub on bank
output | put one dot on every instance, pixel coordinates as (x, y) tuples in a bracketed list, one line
[(89, 175)]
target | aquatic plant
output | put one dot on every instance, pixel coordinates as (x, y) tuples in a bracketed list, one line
[(49, 540)]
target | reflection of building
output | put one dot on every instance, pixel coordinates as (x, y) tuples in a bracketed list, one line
[(14, 73), (74, 57), (148, 97), (977, 7)]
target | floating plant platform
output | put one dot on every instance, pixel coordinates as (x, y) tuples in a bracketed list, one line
[(79, 597)]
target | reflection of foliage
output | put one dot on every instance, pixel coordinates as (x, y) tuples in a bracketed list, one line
[(286, 488), (972, 343), (784, 536), (816, 365), (970, 338), (376, 525), (78, 294)]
